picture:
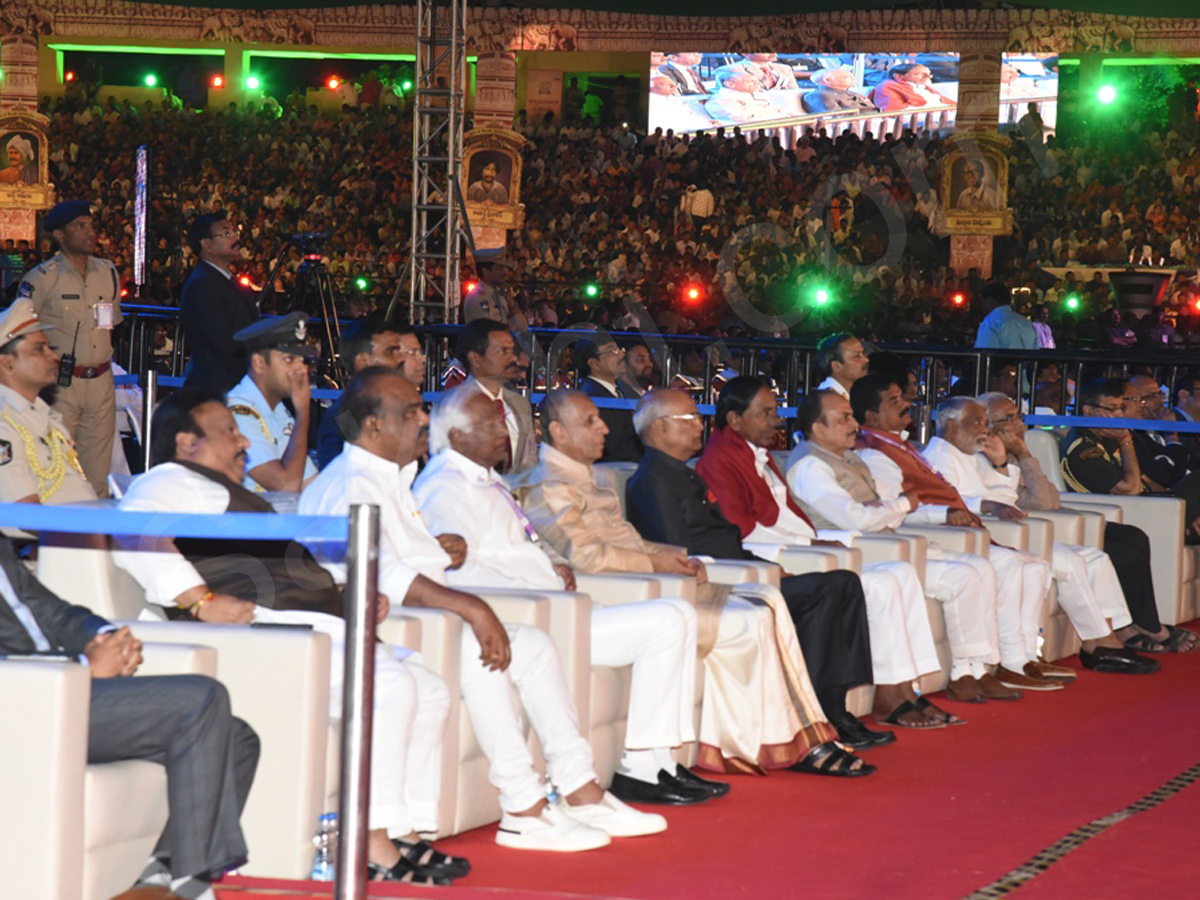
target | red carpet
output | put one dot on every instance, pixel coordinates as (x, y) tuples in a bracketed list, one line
[(949, 812)]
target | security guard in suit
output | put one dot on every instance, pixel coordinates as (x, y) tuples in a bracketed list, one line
[(78, 296)]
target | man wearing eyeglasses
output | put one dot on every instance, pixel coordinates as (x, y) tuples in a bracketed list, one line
[(1162, 458), (1106, 460), (601, 364), (214, 305)]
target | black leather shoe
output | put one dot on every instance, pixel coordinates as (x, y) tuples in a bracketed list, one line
[(691, 779), (854, 734), (669, 791), (1118, 660)]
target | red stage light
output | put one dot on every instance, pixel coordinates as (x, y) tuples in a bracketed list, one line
[(958, 299), (693, 292), (470, 286), (333, 83), (218, 81), (68, 76), (244, 280)]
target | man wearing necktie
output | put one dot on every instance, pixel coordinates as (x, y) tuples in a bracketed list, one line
[(488, 352)]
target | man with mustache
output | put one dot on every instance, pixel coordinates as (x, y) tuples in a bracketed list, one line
[(199, 461), (214, 305), (492, 360), (37, 456), (388, 432)]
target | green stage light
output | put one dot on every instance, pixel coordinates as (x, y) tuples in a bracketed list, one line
[(821, 296), (592, 290), (1106, 94), (361, 283), (150, 80), (253, 83), (406, 86), (1072, 302)]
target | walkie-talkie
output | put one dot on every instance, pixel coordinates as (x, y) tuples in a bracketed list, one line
[(66, 365)]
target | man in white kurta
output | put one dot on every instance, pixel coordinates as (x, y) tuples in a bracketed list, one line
[(836, 489), (460, 492), (499, 663), (976, 463), (411, 703)]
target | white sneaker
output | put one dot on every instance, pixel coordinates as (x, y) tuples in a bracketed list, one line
[(616, 818), (550, 830)]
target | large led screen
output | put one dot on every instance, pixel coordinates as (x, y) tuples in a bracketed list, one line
[(789, 92), (1029, 94)]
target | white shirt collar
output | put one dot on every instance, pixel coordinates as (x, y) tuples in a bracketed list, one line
[(608, 385), (228, 275), (476, 473), (359, 456)]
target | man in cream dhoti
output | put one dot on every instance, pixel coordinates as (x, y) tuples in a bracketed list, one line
[(759, 708)]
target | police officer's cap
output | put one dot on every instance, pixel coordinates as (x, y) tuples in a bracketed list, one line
[(63, 214), (286, 334), (19, 320)]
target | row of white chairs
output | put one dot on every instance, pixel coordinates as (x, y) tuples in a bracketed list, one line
[(278, 680)]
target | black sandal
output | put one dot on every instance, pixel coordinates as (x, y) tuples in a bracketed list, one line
[(830, 759), (897, 714), (424, 857), (934, 711), (406, 872)]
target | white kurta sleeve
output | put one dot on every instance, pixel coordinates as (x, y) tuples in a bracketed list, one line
[(889, 483), (812, 480)]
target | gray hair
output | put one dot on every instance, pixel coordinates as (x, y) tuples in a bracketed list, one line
[(819, 76), (649, 410), (724, 72), (951, 410), (993, 397), (450, 412)]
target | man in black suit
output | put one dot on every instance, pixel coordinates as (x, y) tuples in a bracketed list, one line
[(214, 305), (601, 365), (668, 502), (181, 721)]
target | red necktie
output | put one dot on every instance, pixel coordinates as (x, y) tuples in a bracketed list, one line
[(508, 447)]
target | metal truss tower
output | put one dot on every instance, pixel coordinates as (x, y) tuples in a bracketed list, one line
[(438, 224)]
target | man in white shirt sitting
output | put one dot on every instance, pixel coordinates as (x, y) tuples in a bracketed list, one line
[(842, 358), (461, 493), (974, 460), (387, 432)]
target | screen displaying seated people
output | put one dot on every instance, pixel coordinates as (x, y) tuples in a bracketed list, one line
[(880, 92), (1029, 94)]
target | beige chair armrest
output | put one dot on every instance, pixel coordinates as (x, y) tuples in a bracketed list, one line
[(1010, 534), (402, 629), (1068, 524), (1112, 512), (683, 586), (742, 571), (796, 560), (891, 547), (1041, 537), (950, 537), (177, 659), (618, 588)]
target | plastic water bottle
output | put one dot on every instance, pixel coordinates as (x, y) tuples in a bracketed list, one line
[(325, 841)]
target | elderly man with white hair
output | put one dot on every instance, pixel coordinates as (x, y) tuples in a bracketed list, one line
[(833, 94), (737, 100), (461, 493), (386, 430), (974, 460)]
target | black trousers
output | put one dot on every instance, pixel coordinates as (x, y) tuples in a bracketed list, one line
[(1129, 549), (184, 723), (830, 613)]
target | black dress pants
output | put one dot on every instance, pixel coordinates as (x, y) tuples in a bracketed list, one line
[(1129, 549), (830, 614)]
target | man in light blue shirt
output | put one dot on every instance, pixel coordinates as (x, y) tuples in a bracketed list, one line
[(277, 370), (1003, 328)]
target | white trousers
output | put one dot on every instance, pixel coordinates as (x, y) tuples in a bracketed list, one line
[(965, 585), (1089, 591), (1022, 582), (411, 707), (901, 641), (658, 638), (494, 700)]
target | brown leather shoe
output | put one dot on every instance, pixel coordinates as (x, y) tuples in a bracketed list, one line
[(1047, 672), (994, 690), (1018, 681), (965, 690)]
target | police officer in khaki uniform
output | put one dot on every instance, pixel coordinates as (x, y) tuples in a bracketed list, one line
[(37, 457), (76, 294), (489, 300)]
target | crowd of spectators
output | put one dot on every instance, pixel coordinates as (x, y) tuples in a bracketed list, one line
[(648, 219)]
